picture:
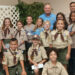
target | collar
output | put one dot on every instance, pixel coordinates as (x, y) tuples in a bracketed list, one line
[(60, 31), (52, 65), (13, 50), (8, 27), (20, 29), (48, 31), (46, 15), (35, 47)]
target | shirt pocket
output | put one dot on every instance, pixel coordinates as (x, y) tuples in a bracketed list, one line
[(65, 37), (11, 57), (50, 71)]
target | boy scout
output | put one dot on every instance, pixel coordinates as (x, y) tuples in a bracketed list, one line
[(20, 35), (53, 67), (36, 53), (61, 40), (14, 59), (45, 35)]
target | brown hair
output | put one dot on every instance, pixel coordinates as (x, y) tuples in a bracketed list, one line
[(20, 22), (70, 20), (3, 26)]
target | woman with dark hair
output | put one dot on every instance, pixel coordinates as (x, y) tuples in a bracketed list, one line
[(61, 16), (71, 29)]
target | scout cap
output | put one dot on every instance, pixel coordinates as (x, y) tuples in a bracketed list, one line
[(36, 37)]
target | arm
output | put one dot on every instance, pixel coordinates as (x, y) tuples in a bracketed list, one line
[(44, 55), (44, 72), (43, 61), (23, 69), (29, 58), (0, 45), (69, 47), (72, 33), (32, 62), (68, 53), (6, 69)]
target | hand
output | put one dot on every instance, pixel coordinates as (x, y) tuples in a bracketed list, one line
[(23, 73), (67, 56), (41, 63), (35, 64)]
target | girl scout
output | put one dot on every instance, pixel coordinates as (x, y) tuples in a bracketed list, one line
[(53, 67), (61, 40), (7, 32), (45, 35), (20, 35), (36, 53)]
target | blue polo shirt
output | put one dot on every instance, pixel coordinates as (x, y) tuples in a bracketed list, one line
[(51, 18), (38, 31)]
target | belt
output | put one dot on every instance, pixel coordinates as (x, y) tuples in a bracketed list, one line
[(12, 66)]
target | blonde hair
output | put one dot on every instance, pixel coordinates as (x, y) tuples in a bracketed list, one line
[(46, 22), (36, 26)]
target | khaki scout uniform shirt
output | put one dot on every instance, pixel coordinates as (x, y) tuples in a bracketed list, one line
[(41, 53), (50, 69), (21, 38), (73, 36), (8, 36), (45, 41), (9, 57), (58, 43)]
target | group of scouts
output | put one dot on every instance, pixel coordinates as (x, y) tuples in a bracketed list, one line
[(38, 44)]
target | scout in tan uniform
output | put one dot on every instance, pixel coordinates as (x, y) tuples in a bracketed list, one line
[(45, 35), (61, 40), (36, 53), (14, 59), (7, 32), (53, 67), (20, 35)]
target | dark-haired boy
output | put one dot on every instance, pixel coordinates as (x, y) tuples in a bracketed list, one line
[(14, 59)]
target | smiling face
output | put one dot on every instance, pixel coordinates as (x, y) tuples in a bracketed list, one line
[(7, 23), (39, 22), (47, 9), (73, 17), (35, 42), (60, 25), (47, 25), (53, 56), (29, 20), (19, 25), (13, 45)]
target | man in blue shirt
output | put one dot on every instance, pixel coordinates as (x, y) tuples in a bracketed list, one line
[(48, 15)]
